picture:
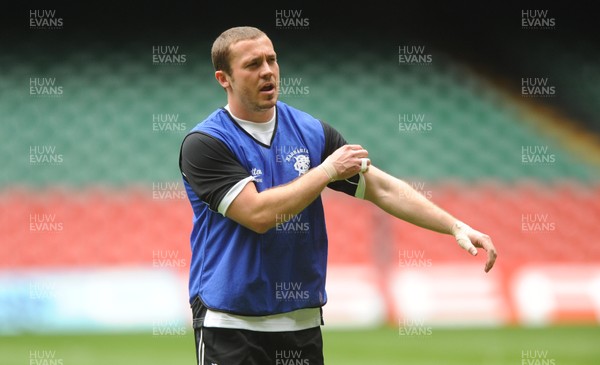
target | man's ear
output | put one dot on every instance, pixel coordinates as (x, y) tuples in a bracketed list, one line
[(222, 78)]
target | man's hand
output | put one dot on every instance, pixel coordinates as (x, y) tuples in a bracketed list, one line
[(345, 162), (469, 239), (260, 211)]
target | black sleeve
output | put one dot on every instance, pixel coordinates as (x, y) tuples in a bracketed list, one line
[(209, 167), (333, 141)]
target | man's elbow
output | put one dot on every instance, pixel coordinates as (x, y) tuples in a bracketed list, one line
[(251, 213), (260, 228), (258, 223)]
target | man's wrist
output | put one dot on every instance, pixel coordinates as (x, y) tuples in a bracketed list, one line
[(461, 231), (329, 171), (459, 227)]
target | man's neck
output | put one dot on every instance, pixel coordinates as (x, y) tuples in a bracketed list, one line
[(262, 116)]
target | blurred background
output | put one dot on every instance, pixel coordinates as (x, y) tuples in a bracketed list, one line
[(491, 111)]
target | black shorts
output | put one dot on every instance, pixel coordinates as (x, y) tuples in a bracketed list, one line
[(225, 346)]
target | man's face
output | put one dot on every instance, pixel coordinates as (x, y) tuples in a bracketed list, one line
[(254, 79)]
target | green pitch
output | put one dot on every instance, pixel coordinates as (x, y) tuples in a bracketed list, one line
[(435, 346)]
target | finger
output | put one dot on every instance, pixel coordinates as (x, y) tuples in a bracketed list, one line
[(354, 147), (490, 260), (361, 153), (486, 243), (463, 241)]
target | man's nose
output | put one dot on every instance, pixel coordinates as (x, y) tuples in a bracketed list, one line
[(266, 69)]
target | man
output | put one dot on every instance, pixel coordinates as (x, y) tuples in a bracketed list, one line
[(251, 168)]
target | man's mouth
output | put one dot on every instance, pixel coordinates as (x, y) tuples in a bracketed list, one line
[(267, 87)]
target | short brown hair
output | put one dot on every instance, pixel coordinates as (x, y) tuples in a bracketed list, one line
[(220, 51)]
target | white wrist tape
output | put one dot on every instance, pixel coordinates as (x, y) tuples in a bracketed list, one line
[(360, 189), (329, 170), (364, 164), (460, 231)]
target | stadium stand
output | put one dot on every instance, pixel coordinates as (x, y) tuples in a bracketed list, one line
[(112, 195)]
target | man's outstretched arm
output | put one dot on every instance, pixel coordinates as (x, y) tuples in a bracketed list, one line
[(399, 199)]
